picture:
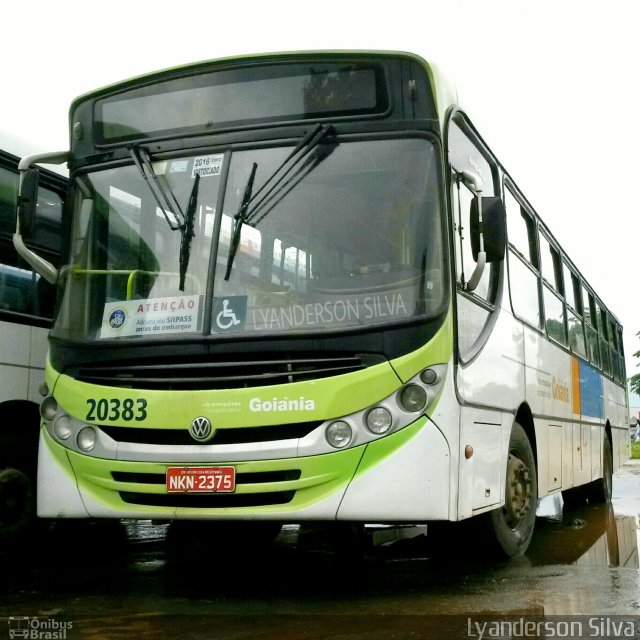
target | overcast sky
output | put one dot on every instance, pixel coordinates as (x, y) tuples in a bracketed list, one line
[(551, 85)]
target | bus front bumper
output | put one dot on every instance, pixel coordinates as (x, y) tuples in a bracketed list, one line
[(404, 477)]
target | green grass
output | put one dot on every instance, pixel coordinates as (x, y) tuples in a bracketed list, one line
[(635, 450)]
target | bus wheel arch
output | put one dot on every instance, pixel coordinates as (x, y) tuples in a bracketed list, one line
[(524, 418), (600, 490), (507, 530)]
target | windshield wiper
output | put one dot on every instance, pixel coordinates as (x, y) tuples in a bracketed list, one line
[(164, 198), (239, 219), (279, 190), (246, 214), (188, 232), (167, 202)]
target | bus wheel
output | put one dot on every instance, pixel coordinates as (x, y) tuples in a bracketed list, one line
[(17, 505), (511, 526), (600, 490)]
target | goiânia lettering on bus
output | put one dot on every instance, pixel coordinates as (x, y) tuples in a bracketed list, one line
[(281, 404)]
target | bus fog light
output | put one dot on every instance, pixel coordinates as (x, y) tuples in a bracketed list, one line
[(63, 427), (86, 438), (339, 434), (379, 420), (413, 398), (49, 408)]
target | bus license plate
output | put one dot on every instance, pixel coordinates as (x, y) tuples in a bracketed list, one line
[(201, 479)]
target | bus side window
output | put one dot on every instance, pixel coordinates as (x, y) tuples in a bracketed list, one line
[(590, 328), (466, 153), (615, 349), (8, 202), (623, 373), (17, 280), (603, 332), (574, 311), (462, 198), (523, 262), (554, 312)]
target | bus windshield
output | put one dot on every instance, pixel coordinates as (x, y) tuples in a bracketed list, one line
[(350, 236)]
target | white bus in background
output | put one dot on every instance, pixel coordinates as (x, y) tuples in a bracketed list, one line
[(26, 311)]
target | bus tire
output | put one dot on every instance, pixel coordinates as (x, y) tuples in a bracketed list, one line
[(510, 528), (17, 506), (600, 490)]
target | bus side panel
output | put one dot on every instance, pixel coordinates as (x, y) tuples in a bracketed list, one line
[(14, 358), (58, 495), (412, 485), (490, 388), (37, 358), (549, 395)]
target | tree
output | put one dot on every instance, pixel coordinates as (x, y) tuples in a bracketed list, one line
[(634, 381)]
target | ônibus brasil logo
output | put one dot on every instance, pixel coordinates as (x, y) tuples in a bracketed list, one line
[(37, 628)]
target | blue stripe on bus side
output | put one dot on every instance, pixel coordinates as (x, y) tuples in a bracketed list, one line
[(591, 392)]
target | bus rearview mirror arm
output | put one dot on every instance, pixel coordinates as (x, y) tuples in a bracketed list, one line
[(476, 184), (27, 203)]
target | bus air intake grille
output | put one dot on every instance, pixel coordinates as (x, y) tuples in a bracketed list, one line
[(208, 501), (244, 435), (206, 373)]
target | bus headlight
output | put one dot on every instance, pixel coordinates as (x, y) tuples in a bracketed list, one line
[(379, 420), (339, 434), (49, 408), (63, 427), (413, 398), (86, 438)]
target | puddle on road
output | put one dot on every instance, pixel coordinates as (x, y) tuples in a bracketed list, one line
[(591, 535)]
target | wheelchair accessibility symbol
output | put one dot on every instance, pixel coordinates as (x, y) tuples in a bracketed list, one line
[(229, 313)]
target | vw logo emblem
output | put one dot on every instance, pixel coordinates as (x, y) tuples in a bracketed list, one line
[(201, 429)]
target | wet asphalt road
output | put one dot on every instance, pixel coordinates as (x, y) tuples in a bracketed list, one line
[(142, 580)]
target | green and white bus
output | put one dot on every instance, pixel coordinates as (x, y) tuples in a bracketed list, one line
[(26, 310), (300, 287)]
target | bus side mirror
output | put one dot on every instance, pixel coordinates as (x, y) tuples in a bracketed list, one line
[(28, 200), (492, 228), (27, 203)]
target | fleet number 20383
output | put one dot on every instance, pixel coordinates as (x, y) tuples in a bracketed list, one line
[(115, 409)]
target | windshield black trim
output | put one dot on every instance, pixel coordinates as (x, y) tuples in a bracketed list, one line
[(387, 341), (275, 135)]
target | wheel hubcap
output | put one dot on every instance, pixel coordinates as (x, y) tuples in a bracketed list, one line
[(518, 491)]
